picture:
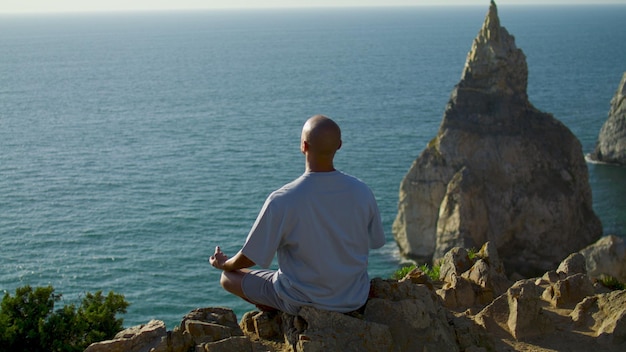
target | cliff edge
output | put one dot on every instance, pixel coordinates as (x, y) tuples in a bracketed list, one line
[(471, 306)]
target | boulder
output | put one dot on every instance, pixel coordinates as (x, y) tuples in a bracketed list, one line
[(469, 282), (568, 292), (611, 145), (458, 292), (605, 315), (518, 312), (454, 263), (210, 324), (396, 313), (395, 290), (236, 343), (208, 329), (140, 338), (488, 273), (498, 170), (332, 331), (573, 264), (606, 257)]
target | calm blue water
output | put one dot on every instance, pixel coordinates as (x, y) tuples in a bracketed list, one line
[(132, 144)]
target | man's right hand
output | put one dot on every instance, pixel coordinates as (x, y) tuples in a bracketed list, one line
[(218, 259)]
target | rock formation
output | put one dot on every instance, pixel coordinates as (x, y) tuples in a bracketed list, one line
[(472, 307), (611, 146), (606, 257), (498, 170)]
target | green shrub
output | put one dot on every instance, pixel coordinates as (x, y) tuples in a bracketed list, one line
[(611, 282), (433, 272), (471, 253), (400, 273), (28, 321)]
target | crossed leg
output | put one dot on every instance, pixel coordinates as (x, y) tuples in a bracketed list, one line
[(231, 281)]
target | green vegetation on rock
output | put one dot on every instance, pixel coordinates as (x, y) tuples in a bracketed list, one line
[(433, 272), (29, 321)]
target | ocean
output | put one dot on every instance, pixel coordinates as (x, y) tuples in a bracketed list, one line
[(134, 143)]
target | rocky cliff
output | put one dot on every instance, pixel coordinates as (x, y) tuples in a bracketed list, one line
[(471, 306), (611, 146), (498, 170)]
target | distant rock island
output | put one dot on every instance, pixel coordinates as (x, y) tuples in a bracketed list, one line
[(611, 145), (498, 171)]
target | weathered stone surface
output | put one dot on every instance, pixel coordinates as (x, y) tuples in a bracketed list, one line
[(332, 331), (454, 263), (606, 257), (518, 312), (201, 331), (237, 343), (498, 170), (470, 282), (139, 338), (220, 316), (409, 318), (398, 290), (488, 273), (611, 145), (480, 274), (526, 316), (573, 264), (177, 341), (550, 277), (458, 292), (470, 336), (568, 292), (265, 326), (211, 324), (605, 315), (407, 315)]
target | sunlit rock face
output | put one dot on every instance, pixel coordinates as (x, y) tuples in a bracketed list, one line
[(498, 170), (611, 146)]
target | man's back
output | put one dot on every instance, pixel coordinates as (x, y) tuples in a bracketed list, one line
[(322, 226)]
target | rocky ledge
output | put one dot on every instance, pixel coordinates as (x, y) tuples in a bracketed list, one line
[(473, 306)]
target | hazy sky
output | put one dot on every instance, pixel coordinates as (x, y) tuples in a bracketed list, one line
[(126, 5)]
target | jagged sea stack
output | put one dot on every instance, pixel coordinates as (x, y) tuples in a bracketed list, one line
[(498, 170), (611, 146)]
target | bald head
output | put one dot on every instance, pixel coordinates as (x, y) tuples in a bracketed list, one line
[(322, 135), (321, 138)]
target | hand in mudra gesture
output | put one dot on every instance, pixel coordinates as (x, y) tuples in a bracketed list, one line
[(218, 259)]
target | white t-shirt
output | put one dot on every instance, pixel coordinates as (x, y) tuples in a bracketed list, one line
[(322, 226)]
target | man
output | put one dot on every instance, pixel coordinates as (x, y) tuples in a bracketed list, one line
[(321, 226)]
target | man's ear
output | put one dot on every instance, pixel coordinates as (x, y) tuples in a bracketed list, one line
[(304, 146), (339, 147)]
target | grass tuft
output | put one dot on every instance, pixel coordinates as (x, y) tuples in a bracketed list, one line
[(611, 282)]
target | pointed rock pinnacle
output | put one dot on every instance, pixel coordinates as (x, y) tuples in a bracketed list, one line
[(494, 64)]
